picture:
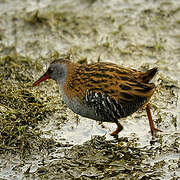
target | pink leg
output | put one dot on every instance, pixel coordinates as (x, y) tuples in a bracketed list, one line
[(119, 128), (151, 123)]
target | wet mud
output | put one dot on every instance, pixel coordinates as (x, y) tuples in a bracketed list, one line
[(40, 138)]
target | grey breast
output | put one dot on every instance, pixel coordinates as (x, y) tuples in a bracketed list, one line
[(83, 108)]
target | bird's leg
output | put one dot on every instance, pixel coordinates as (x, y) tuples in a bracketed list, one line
[(151, 123), (119, 128)]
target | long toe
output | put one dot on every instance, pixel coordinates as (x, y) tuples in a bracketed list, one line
[(154, 130), (115, 133), (119, 128)]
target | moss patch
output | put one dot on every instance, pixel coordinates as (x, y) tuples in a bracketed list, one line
[(20, 108)]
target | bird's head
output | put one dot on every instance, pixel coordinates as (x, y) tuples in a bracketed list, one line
[(56, 71)]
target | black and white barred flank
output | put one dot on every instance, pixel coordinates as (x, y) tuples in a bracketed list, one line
[(108, 109)]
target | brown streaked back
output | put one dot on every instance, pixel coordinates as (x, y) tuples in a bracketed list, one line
[(122, 84)]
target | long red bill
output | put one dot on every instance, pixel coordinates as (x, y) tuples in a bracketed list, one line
[(42, 78)]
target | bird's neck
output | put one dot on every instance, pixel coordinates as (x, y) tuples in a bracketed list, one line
[(68, 70), (71, 73), (61, 75)]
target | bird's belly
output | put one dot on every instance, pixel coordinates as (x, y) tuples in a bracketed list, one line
[(82, 109)]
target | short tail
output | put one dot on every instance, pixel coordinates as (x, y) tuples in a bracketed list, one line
[(148, 75)]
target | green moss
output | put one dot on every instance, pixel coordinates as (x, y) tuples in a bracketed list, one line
[(20, 108)]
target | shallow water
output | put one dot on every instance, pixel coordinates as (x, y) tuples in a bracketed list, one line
[(139, 34)]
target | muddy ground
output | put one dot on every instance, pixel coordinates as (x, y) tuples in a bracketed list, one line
[(40, 138)]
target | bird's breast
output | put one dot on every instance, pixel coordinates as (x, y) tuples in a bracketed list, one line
[(78, 107)]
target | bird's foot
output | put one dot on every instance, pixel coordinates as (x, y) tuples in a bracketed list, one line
[(119, 128), (151, 123), (115, 133), (154, 130)]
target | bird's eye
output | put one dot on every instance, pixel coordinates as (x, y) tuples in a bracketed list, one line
[(50, 70)]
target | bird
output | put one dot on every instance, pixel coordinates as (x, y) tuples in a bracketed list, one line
[(103, 91)]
